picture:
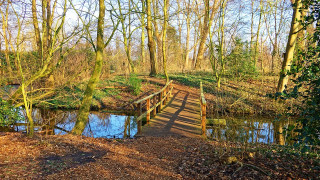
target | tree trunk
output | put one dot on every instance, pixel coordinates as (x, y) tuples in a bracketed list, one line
[(142, 32), (286, 65), (205, 30), (151, 45), (83, 113), (165, 23), (36, 28), (258, 34)]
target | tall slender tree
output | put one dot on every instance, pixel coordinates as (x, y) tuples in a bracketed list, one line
[(164, 33), (207, 22), (82, 117), (151, 43), (292, 40)]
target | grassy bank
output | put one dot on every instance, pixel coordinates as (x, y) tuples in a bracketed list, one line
[(237, 96), (116, 93)]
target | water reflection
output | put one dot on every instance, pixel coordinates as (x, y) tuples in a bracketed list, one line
[(104, 125), (251, 130)]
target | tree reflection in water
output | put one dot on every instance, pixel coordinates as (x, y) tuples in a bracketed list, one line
[(50, 122)]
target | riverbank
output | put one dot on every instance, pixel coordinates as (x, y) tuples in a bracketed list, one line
[(235, 97), (251, 96), (72, 157)]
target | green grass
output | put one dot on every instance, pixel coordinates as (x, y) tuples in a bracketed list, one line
[(193, 80), (70, 97)]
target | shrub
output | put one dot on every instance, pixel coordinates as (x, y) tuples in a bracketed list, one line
[(134, 84), (8, 113)]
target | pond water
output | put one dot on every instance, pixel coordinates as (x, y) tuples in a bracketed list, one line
[(107, 125), (250, 130), (100, 124)]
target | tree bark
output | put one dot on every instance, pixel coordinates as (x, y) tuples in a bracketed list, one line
[(151, 44), (205, 30), (286, 65), (83, 113), (164, 33), (36, 27), (142, 32)]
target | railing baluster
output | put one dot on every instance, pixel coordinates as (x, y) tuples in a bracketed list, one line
[(161, 102), (158, 100), (203, 112), (203, 120), (148, 108), (154, 112), (139, 114)]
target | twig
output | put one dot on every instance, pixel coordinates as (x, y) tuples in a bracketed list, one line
[(257, 168), (242, 165)]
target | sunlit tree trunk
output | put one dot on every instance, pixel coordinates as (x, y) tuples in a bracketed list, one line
[(36, 28), (126, 40), (143, 24), (286, 65), (157, 33), (257, 35), (27, 101), (221, 43), (164, 33), (205, 31), (187, 50), (151, 44), (180, 46), (83, 113), (251, 27)]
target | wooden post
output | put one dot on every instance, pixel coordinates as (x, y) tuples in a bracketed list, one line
[(154, 112), (170, 89), (148, 113), (140, 121), (203, 119), (160, 100), (164, 94)]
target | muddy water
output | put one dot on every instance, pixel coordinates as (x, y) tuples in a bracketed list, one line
[(250, 130), (100, 124)]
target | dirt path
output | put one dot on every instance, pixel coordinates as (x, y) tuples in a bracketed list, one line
[(179, 118)]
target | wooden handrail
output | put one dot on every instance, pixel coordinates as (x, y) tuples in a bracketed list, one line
[(158, 99), (203, 111)]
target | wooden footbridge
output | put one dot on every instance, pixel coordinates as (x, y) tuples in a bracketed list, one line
[(172, 112)]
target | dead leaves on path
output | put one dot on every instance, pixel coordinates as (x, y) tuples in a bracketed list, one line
[(66, 157)]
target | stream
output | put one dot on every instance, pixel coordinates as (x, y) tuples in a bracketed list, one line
[(246, 129), (251, 129), (100, 124)]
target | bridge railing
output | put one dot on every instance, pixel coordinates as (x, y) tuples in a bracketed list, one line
[(158, 100), (203, 111)]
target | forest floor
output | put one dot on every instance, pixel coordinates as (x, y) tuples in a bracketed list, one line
[(172, 157)]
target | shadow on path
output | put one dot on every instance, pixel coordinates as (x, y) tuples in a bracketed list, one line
[(179, 118)]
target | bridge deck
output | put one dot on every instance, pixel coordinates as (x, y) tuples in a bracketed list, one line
[(179, 118)]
